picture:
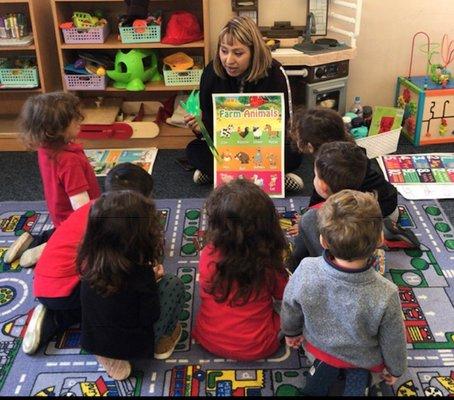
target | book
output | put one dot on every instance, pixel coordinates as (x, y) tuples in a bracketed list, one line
[(385, 119)]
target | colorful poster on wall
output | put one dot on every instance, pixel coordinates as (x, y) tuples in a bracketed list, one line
[(104, 160), (249, 135)]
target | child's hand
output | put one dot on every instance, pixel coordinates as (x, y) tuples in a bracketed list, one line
[(191, 123), (158, 271), (294, 342), (387, 377), (293, 230)]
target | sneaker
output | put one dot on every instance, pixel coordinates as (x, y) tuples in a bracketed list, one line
[(116, 369), (31, 256), (21, 244), (166, 344), (293, 182), (200, 178), (41, 328)]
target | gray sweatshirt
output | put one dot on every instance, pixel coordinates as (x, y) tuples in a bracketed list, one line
[(353, 316)]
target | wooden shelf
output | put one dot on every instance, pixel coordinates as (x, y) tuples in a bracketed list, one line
[(23, 90), (157, 87), (14, 48), (15, 1), (113, 43), (170, 137)]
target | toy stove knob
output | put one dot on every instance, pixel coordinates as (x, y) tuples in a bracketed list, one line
[(320, 72)]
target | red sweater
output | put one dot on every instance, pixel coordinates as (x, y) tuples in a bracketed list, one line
[(247, 332), (65, 174), (56, 273)]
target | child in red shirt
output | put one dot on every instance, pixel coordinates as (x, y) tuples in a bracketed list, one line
[(50, 123), (241, 274)]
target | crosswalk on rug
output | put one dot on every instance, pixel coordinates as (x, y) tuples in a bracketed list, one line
[(62, 368)]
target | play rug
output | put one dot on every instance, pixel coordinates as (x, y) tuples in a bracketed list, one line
[(62, 368)]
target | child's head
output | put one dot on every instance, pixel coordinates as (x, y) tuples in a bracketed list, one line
[(241, 47), (243, 226), (350, 224), (50, 120), (128, 176), (338, 166), (316, 126), (123, 231)]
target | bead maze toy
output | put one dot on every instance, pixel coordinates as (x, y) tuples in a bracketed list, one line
[(428, 101)]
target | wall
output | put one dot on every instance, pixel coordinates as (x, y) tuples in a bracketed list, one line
[(384, 43)]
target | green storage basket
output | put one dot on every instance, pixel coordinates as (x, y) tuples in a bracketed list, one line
[(184, 77), (19, 78), (151, 34)]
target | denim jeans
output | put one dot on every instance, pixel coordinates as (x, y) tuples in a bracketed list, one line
[(322, 376)]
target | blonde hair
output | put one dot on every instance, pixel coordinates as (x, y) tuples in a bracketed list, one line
[(245, 31), (351, 224)]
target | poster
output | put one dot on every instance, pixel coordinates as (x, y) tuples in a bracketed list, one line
[(104, 160), (420, 176), (249, 135)]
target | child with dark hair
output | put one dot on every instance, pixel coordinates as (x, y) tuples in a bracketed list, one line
[(56, 282), (316, 126), (241, 274), (130, 309), (337, 166), (50, 123), (346, 316)]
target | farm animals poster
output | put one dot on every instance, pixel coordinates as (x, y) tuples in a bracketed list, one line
[(249, 135)]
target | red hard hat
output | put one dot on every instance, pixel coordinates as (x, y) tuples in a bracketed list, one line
[(183, 27)]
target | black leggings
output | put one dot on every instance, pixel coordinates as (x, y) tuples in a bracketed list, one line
[(200, 156)]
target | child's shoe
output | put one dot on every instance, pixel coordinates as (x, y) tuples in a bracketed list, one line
[(166, 344), (116, 369), (21, 244), (293, 183), (200, 178), (41, 328), (31, 256)]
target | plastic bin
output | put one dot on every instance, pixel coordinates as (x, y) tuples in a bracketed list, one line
[(86, 35), (85, 82), (184, 77), (19, 77), (380, 144), (151, 34)]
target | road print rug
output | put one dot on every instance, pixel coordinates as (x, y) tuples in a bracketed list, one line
[(62, 368)]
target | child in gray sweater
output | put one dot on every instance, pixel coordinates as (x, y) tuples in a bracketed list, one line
[(344, 313)]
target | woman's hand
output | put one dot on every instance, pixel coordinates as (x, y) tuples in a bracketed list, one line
[(191, 122), (294, 342), (388, 378)]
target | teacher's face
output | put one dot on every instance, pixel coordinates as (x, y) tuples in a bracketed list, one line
[(235, 58)]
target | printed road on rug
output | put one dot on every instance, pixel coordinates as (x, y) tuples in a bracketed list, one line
[(62, 368)]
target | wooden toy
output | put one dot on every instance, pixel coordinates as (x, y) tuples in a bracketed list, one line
[(428, 101)]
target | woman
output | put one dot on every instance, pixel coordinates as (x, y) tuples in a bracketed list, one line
[(243, 64)]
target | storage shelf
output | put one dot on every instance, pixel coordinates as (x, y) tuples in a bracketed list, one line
[(19, 90), (15, 48), (113, 43), (157, 87), (170, 137), (16, 1)]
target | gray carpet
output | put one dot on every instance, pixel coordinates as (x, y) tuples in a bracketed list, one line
[(20, 178)]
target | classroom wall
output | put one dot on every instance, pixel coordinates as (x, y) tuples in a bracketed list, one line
[(384, 43)]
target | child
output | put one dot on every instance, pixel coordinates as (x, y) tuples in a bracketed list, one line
[(345, 314), (337, 166), (49, 124), (126, 312), (321, 125), (56, 279), (241, 273)]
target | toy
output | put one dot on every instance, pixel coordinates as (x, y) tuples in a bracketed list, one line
[(136, 73), (428, 101)]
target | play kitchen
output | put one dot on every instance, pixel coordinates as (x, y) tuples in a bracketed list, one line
[(318, 66)]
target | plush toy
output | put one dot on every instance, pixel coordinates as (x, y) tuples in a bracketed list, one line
[(130, 71)]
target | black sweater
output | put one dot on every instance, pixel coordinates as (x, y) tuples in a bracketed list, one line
[(374, 181), (121, 325), (210, 83)]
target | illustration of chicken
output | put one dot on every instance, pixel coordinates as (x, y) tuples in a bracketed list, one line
[(242, 133)]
